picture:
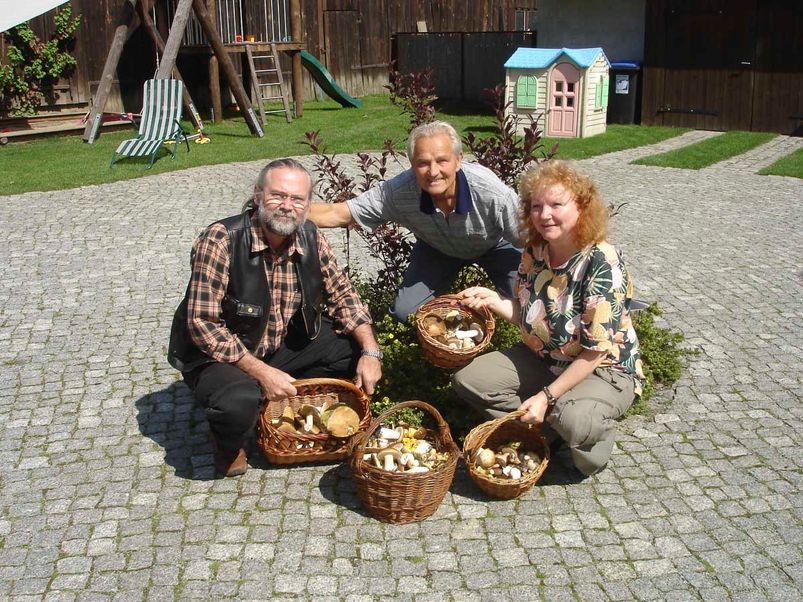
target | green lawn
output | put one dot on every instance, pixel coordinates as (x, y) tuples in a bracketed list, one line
[(790, 165), (707, 152), (59, 162)]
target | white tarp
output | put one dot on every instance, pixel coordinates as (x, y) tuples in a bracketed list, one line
[(14, 12)]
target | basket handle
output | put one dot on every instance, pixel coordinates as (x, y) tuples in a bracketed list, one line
[(325, 381), (358, 443), (492, 425)]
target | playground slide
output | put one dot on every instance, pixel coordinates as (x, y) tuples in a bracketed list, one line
[(327, 83)]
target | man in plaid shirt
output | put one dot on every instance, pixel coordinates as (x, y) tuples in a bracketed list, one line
[(267, 304)]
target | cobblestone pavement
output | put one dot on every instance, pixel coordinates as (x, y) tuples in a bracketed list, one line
[(105, 465)]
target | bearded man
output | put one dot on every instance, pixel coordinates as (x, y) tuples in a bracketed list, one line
[(266, 304)]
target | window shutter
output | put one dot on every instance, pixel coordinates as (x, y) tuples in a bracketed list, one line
[(526, 92), (598, 93), (606, 83)]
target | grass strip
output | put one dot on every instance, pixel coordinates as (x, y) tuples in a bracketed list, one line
[(61, 162), (791, 165), (709, 151)]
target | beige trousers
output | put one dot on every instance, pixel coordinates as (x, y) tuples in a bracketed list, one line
[(584, 417)]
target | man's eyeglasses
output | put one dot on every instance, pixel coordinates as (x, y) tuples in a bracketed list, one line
[(279, 198)]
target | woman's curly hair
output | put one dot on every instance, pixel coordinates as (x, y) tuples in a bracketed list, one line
[(592, 225)]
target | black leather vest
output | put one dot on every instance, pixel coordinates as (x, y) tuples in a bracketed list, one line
[(247, 302)]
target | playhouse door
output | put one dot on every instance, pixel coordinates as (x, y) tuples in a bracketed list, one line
[(563, 97)]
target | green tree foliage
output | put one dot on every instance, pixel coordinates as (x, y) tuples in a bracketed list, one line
[(34, 66)]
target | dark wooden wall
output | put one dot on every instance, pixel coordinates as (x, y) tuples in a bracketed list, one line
[(351, 37), (724, 65)]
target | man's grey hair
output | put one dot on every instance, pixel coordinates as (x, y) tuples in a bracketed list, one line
[(259, 187), (433, 128)]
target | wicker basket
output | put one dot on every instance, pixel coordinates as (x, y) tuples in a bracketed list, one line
[(395, 497), (439, 354), (281, 447), (495, 433)]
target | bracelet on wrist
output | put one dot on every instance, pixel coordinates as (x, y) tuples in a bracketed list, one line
[(551, 400)]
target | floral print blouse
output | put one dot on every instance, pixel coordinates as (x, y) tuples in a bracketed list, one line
[(582, 304)]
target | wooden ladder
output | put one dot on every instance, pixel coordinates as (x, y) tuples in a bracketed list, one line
[(267, 83)]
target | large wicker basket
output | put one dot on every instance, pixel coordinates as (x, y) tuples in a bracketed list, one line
[(281, 447), (395, 497), (496, 433), (439, 354)]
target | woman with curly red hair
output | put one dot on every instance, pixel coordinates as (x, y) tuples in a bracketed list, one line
[(577, 368)]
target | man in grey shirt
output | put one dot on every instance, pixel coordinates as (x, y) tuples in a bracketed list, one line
[(460, 213)]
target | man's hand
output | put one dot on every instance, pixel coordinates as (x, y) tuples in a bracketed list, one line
[(274, 383), (369, 371), (535, 408)]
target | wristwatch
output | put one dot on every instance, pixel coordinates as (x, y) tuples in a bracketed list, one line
[(551, 400), (377, 353)]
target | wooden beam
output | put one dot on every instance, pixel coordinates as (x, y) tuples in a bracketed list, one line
[(128, 21), (214, 70), (235, 83), (177, 28), (142, 9), (214, 89), (296, 35)]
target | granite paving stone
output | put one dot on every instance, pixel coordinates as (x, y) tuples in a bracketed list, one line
[(106, 464)]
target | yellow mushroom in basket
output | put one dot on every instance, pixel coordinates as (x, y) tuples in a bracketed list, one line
[(287, 421), (486, 457)]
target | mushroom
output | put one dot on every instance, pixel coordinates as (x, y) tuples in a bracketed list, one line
[(389, 434), (501, 459), (434, 326), (421, 433), (422, 448), (530, 464), (312, 418), (418, 470), (480, 334), (452, 318), (407, 460), (340, 420), (389, 458), (486, 457), (515, 473), (465, 334), (287, 421)]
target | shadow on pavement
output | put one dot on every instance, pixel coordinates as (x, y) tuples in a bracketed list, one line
[(170, 418)]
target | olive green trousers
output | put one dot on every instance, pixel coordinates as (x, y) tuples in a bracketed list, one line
[(584, 417)]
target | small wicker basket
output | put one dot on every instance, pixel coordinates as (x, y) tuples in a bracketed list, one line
[(394, 497), (282, 447), (436, 352), (495, 433)]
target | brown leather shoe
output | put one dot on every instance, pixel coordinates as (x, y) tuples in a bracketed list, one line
[(229, 463)]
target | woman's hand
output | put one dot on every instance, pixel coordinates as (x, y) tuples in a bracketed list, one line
[(478, 297), (535, 408)]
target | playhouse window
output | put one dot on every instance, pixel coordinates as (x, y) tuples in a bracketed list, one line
[(601, 96), (526, 92), (569, 101), (570, 87)]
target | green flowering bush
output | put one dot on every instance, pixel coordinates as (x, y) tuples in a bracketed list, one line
[(34, 66)]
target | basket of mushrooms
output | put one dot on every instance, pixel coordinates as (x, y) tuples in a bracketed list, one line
[(505, 457), (315, 424), (403, 472), (450, 334)]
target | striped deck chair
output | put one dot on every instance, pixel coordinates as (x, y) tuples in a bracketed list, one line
[(161, 111)]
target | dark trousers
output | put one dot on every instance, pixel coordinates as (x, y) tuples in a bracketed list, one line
[(232, 399)]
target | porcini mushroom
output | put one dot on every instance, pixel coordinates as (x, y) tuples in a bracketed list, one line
[(311, 418), (486, 457), (340, 420), (389, 458), (389, 434)]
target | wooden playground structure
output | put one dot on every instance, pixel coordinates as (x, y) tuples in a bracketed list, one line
[(252, 30)]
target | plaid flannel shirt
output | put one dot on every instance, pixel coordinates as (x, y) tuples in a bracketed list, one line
[(210, 277)]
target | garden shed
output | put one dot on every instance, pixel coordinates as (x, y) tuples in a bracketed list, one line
[(567, 86)]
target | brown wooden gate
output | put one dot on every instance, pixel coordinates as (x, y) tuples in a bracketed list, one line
[(724, 64)]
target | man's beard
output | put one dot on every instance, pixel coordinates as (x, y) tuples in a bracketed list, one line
[(280, 221)]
